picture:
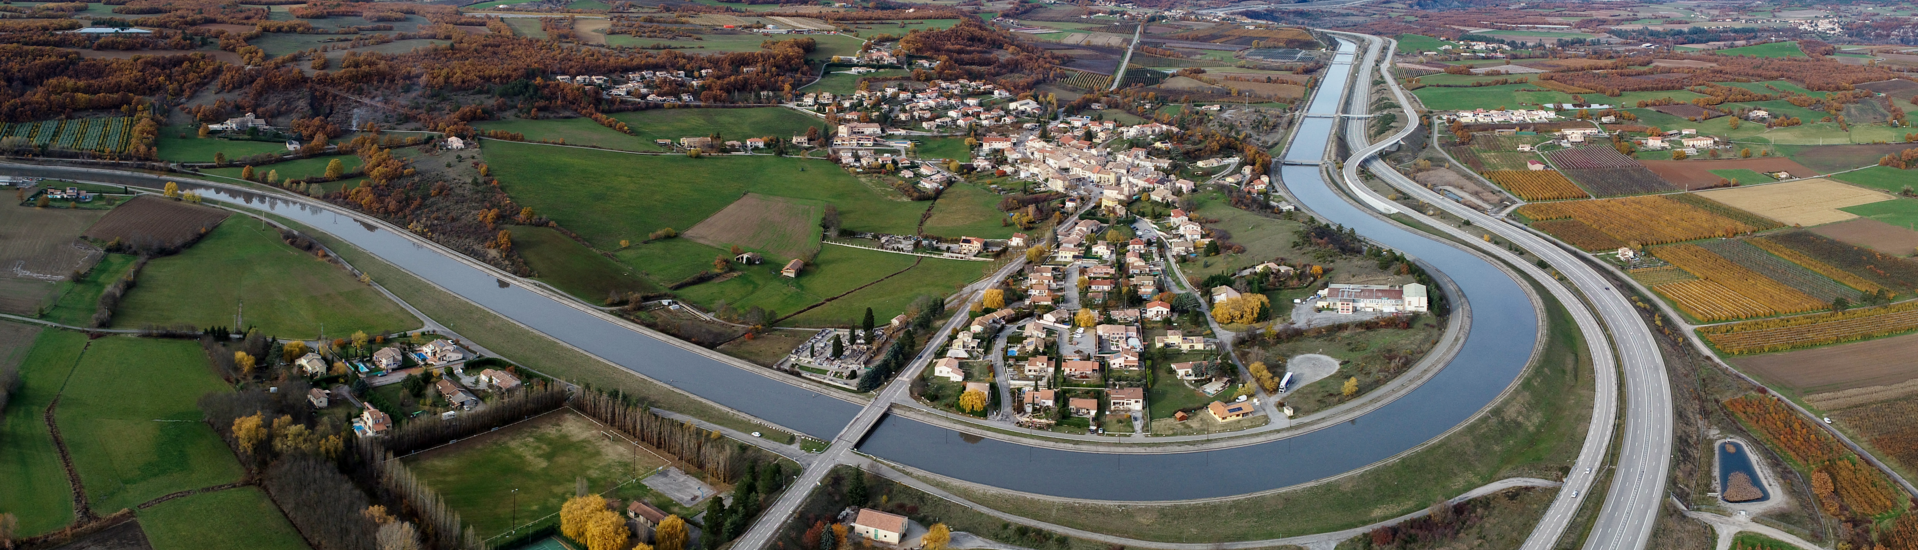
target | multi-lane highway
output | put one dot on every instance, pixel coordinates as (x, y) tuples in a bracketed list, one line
[(1638, 481)]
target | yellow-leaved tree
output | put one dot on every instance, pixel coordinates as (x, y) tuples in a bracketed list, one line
[(670, 534), (1243, 309), (1263, 376), (995, 298), (972, 401), (1351, 387), (1038, 253), (244, 362), (936, 537), (1085, 318), (606, 531), (576, 515), (248, 432)]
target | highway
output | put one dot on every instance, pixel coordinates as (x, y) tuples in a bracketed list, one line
[(1631, 505)]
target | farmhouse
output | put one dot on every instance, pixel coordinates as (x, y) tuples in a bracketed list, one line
[(239, 124), (879, 526), (792, 268)]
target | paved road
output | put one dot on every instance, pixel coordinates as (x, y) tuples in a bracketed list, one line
[(1631, 505), (1118, 75)]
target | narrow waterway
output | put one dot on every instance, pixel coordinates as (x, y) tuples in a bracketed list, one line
[(1504, 329)]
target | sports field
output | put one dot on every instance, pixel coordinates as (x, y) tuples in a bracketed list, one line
[(129, 417), (246, 520), (243, 269), (542, 458), (608, 197)]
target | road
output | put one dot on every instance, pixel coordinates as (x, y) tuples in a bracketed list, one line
[(1631, 504), (1118, 75)]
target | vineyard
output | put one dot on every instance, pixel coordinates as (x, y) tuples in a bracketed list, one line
[(1806, 331), (1606, 172), (1483, 161), (1891, 272), (1644, 221), (1890, 426), (1816, 266), (1722, 209), (1655, 276), (1537, 185), (1838, 476), (1737, 281), (1777, 269), (1577, 233), (1709, 301), (99, 135), (1081, 80)]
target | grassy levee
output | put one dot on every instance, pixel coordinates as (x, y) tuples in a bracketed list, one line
[(36, 490), (249, 261), (241, 518), (519, 344), (1536, 431), (130, 419)]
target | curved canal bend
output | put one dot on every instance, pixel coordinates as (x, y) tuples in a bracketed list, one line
[(1504, 330)]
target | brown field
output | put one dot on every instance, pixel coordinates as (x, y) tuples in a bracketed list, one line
[(718, 20), (1566, 64), (1895, 88), (1696, 174), (781, 227), (1276, 90), (1835, 400), (1804, 202), (1436, 178), (44, 243), (1872, 234), (1871, 363), (805, 23), (150, 219), (591, 31), (25, 296), (1832, 158)]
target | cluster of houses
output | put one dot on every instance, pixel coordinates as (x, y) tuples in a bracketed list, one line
[(648, 85), (942, 104), (70, 194), (816, 354), (1686, 140), (1502, 116), (1471, 49), (442, 356), (1070, 162)]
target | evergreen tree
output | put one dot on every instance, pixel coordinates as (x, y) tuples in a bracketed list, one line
[(856, 488), (869, 322)]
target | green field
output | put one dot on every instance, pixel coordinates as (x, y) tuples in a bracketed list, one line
[(286, 292), (892, 296), (1527, 34), (527, 27), (968, 210), (571, 131), (36, 490), (835, 271), (945, 148), (608, 197), (173, 147), (293, 169), (1883, 178), (79, 299), (241, 518), (1744, 176), (900, 28), (1414, 43), (730, 124), (1774, 49), (542, 458), (842, 83), (1506, 96), (1901, 212), (128, 416), (569, 266), (1263, 238)]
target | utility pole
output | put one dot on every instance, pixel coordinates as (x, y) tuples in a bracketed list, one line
[(515, 509)]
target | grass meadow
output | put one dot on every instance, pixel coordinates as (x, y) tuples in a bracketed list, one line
[(80, 299), (1744, 176), (574, 269), (1902, 212), (293, 169), (292, 293), (835, 271), (844, 83), (967, 210), (953, 148), (36, 491), (889, 298), (190, 148), (1882, 178), (1774, 49), (246, 518), (1263, 238), (129, 418), (736, 124)]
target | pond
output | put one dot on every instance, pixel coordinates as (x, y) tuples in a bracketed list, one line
[(1738, 479)]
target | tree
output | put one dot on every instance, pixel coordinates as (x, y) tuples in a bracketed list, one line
[(936, 537), (856, 489), (1212, 247), (972, 401), (721, 264), (606, 531), (248, 433), (576, 515), (219, 159), (1248, 308), (204, 130), (1745, 153), (1678, 154), (246, 173), (868, 324), (994, 298), (1085, 318), (245, 362), (838, 347), (334, 169), (1037, 254), (398, 535), (273, 177), (293, 350), (1351, 387), (670, 534), (359, 338), (42, 202), (172, 190)]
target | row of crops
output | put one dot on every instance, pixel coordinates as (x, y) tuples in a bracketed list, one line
[(99, 135)]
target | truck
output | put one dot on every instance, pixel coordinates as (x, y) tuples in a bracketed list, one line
[(1283, 382)]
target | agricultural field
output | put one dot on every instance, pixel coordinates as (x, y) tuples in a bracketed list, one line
[(570, 131), (891, 297), (1873, 234), (1646, 220), (1699, 173), (1606, 172), (1882, 178), (133, 446), (573, 268), (1778, 269), (837, 270), (1774, 335), (1891, 427), (1774, 49), (1855, 486), (97, 135), (608, 197), (1804, 202), (779, 227), (1728, 290), (76, 301), (39, 246), (210, 283), (1900, 212), (36, 492), (1483, 160), (247, 520), (541, 457), (1537, 185), (968, 210), (182, 144), (150, 219), (1505, 96), (1891, 272), (728, 123)]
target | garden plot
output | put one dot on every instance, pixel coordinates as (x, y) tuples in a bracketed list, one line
[(1805, 202), (783, 227)]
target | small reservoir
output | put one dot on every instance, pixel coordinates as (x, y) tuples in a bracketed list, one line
[(1738, 480)]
